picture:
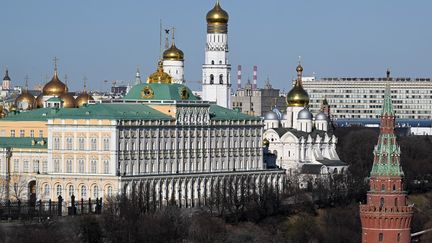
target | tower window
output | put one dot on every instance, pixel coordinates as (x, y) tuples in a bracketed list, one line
[(220, 62), (212, 62), (382, 187), (380, 237), (211, 78), (382, 202), (221, 79)]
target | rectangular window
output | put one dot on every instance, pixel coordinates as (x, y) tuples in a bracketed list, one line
[(380, 237), (106, 167), (32, 133), (56, 166), (21, 133), (93, 144), (69, 166), (16, 165), (44, 166), (81, 166), (106, 144), (93, 167), (81, 144), (69, 143), (41, 133), (56, 143), (26, 166), (12, 133), (35, 166)]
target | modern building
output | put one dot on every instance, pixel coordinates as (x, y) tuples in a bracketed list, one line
[(387, 216), (362, 97), (303, 145), (257, 102), (216, 69)]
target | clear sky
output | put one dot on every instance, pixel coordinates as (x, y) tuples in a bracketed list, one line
[(107, 39)]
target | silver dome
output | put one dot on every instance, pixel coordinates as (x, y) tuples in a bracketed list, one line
[(271, 115), (305, 114), (321, 116)]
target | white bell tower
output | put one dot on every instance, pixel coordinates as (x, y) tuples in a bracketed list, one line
[(216, 69)]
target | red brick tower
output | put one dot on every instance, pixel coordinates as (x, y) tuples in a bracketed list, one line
[(386, 217)]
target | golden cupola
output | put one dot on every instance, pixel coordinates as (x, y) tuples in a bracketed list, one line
[(159, 76), (217, 19), (173, 53), (25, 101), (55, 87), (84, 97), (68, 100), (297, 96)]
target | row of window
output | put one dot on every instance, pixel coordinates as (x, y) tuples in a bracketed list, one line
[(80, 166), (82, 145), (83, 192), (22, 133), (131, 145), (35, 164)]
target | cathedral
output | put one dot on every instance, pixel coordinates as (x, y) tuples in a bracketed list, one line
[(302, 144), (159, 133)]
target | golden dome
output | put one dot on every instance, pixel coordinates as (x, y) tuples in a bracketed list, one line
[(266, 142), (159, 76), (55, 87), (83, 99), (68, 100), (173, 53), (2, 112), (40, 101), (298, 96), (217, 15), (25, 101)]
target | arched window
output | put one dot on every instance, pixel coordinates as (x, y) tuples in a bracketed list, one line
[(83, 192), (220, 62), (46, 190), (212, 62), (211, 78), (380, 237), (110, 190), (394, 187), (95, 192), (71, 190), (58, 190), (382, 202), (382, 187), (221, 79)]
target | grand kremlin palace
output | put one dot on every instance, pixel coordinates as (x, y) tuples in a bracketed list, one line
[(159, 132)]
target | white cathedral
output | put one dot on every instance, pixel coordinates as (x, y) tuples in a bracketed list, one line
[(301, 144)]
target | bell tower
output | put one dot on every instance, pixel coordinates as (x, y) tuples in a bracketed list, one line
[(216, 69), (386, 217)]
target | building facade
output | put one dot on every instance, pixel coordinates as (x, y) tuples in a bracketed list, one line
[(362, 97), (386, 217), (257, 102)]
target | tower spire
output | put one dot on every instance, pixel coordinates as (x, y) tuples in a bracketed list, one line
[(85, 83), (26, 83), (138, 76), (167, 38)]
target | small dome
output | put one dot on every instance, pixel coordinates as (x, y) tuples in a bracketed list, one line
[(159, 76), (25, 101), (55, 87), (321, 116), (305, 114), (40, 101), (217, 15), (173, 53), (271, 115), (68, 100), (83, 99)]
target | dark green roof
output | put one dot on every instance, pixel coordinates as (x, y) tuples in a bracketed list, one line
[(221, 113), (6, 142), (92, 111), (54, 99), (160, 92)]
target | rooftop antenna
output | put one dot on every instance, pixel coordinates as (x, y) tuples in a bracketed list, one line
[(26, 82)]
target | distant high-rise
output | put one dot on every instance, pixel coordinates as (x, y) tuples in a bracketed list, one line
[(386, 217), (216, 69)]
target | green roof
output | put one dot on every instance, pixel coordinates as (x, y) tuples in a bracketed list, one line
[(26, 142), (160, 92), (54, 99), (220, 113), (92, 111), (387, 106)]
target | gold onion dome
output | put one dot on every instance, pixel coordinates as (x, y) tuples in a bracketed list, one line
[(83, 99), (55, 87), (40, 101), (217, 15), (25, 101), (297, 95), (159, 76), (173, 53), (68, 100)]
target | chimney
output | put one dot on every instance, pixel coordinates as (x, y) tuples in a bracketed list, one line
[(238, 77), (254, 87)]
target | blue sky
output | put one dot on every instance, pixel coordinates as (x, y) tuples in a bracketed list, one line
[(107, 39)]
